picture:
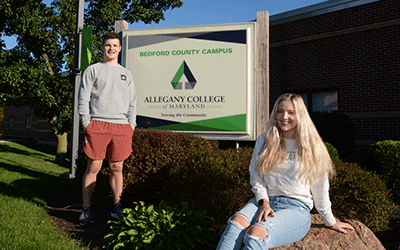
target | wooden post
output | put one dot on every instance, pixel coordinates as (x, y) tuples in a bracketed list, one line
[(262, 72), (120, 25)]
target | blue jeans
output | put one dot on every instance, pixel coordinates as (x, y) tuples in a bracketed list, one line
[(291, 223)]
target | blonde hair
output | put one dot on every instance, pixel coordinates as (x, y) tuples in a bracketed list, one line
[(311, 153)]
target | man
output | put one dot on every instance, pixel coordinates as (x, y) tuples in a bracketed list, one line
[(107, 109)]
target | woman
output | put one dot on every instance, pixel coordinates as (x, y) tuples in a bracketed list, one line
[(289, 173)]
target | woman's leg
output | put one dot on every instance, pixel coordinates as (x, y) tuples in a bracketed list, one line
[(232, 238), (291, 223)]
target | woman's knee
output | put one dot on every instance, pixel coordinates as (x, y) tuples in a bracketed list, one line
[(258, 230), (241, 221)]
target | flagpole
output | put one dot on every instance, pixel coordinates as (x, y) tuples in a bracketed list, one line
[(77, 72)]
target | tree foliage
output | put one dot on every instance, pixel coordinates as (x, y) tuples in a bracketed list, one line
[(38, 71)]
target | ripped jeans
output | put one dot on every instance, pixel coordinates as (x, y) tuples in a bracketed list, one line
[(291, 223)]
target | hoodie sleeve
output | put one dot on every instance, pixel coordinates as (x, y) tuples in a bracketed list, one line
[(85, 90), (256, 181), (320, 192), (132, 105)]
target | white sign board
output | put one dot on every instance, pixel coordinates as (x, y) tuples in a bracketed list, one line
[(197, 80)]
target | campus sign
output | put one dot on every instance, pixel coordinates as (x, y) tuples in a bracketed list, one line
[(197, 80)]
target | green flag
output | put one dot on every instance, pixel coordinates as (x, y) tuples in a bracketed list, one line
[(86, 49)]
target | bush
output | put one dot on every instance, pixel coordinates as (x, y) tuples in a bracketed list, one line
[(177, 167), (360, 195), (384, 159), (146, 227), (333, 153), (337, 129)]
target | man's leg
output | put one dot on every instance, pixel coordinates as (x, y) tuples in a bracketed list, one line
[(116, 180), (89, 180), (88, 184), (119, 149)]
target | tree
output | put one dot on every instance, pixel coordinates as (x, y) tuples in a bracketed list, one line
[(38, 71)]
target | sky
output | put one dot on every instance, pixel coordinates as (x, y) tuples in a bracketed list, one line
[(204, 12), (207, 12)]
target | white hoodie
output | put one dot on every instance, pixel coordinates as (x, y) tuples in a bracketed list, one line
[(283, 182)]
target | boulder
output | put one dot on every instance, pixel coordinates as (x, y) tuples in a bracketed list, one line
[(321, 238)]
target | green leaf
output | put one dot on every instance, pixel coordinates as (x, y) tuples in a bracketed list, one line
[(132, 232)]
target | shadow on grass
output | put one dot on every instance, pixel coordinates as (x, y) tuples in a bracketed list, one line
[(41, 149), (34, 185), (37, 188), (58, 194), (32, 144), (5, 147)]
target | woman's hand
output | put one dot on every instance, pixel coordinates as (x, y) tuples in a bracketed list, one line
[(341, 227), (265, 210)]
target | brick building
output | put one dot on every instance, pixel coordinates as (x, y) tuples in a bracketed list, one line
[(21, 122), (340, 55)]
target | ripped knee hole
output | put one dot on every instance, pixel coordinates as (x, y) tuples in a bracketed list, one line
[(241, 221), (258, 230)]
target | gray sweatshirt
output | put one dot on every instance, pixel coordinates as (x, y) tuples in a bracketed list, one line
[(111, 94)]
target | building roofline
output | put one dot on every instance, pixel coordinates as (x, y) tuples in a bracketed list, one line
[(315, 10)]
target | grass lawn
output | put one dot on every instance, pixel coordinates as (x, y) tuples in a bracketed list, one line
[(27, 177)]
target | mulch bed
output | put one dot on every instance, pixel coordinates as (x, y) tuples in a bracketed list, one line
[(64, 208)]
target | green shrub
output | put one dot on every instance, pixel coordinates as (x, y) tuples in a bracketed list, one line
[(360, 195), (177, 167), (145, 227), (338, 130), (384, 159), (333, 153)]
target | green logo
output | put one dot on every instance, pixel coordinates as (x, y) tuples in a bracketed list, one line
[(178, 80)]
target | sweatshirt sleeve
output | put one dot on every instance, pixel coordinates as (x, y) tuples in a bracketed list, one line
[(256, 181), (132, 105), (85, 90), (320, 192)]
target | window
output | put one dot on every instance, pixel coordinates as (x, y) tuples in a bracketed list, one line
[(321, 101), (325, 101), (28, 121), (305, 98)]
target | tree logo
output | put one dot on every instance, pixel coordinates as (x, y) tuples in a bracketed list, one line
[(179, 78)]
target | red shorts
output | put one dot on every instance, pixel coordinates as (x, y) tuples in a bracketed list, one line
[(111, 139)]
